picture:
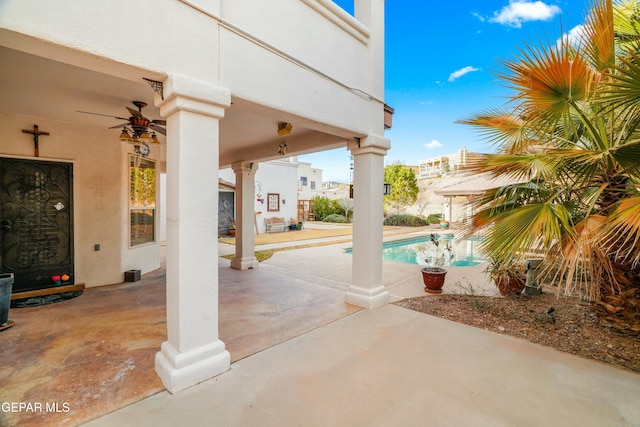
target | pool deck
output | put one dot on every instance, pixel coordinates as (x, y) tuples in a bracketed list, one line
[(331, 266)]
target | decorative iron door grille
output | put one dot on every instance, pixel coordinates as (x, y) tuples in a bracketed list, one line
[(36, 223)]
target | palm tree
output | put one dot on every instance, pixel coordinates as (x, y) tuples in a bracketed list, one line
[(570, 136)]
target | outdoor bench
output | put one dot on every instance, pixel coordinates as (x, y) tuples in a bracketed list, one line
[(275, 224)]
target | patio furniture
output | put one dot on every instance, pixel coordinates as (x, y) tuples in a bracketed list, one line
[(275, 224)]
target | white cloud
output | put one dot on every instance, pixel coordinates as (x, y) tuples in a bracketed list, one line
[(480, 17), (461, 72), (573, 37), (433, 144), (519, 11)]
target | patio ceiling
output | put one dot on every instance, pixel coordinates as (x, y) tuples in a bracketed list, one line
[(37, 86)]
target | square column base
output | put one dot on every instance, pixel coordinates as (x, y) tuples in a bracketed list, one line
[(367, 298), (180, 371), (244, 263)]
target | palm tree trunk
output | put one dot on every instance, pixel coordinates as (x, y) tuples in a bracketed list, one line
[(619, 304)]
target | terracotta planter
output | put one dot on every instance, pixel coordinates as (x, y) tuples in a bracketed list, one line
[(433, 278), (510, 286)]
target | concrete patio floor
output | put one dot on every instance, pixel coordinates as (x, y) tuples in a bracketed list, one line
[(301, 356), (396, 367), (95, 353)]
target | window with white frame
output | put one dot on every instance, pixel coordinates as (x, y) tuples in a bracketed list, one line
[(142, 200)]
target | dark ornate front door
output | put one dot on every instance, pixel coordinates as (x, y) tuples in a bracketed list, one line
[(36, 223)]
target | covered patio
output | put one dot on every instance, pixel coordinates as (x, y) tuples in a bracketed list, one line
[(221, 87), (108, 363), (298, 353)]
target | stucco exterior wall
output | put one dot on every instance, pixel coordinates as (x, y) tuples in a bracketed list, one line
[(321, 43), (310, 174), (100, 182), (278, 177), (171, 32)]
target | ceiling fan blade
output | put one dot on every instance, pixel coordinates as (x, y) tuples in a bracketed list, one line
[(135, 113), (159, 122), (104, 115), (158, 129), (119, 126)]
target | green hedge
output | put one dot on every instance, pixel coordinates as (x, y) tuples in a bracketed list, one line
[(336, 218), (405, 220), (434, 219)]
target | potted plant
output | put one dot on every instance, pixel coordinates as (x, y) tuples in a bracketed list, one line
[(293, 224), (232, 228), (433, 274), (509, 276)]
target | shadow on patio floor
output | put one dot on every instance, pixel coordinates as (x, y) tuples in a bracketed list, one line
[(82, 358)]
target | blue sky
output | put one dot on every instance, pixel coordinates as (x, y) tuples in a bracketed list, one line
[(440, 64)]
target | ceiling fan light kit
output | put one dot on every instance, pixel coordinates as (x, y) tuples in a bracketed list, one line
[(138, 130)]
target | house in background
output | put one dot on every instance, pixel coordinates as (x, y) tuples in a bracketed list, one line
[(284, 189), (309, 180), (446, 165), (229, 89), (276, 192), (335, 190)]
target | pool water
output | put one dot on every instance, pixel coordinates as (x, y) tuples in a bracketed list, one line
[(460, 253)]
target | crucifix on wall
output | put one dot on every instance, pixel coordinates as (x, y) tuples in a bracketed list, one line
[(36, 134)]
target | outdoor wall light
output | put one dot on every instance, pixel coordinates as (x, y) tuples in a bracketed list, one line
[(283, 201), (284, 128), (387, 189)]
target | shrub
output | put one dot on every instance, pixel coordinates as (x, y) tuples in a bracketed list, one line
[(326, 207), (336, 218), (434, 219), (405, 220)]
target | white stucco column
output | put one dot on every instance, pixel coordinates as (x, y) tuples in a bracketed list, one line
[(446, 207), (193, 352), (245, 210), (366, 288)]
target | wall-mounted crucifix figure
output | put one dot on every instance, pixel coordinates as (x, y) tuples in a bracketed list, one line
[(36, 134)]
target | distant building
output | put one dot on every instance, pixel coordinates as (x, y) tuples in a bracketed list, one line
[(309, 180), (445, 165)]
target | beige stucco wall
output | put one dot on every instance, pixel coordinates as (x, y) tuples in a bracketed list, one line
[(100, 181)]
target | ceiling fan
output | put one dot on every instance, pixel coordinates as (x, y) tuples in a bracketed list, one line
[(137, 126)]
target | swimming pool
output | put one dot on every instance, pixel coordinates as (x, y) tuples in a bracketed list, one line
[(462, 253)]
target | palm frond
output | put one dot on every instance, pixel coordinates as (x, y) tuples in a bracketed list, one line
[(627, 156), (528, 228), (534, 165), (599, 40), (580, 266), (550, 80), (626, 25), (622, 231), (623, 87), (501, 128)]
